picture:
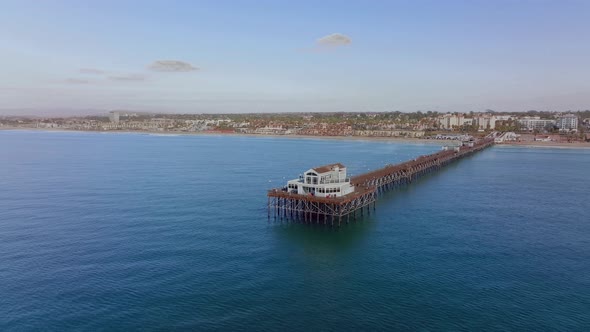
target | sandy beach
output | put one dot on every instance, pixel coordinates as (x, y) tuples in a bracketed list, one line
[(536, 144), (214, 133)]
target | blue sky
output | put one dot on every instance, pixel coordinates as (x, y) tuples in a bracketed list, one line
[(286, 56)]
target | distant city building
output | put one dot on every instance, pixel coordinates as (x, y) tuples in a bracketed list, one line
[(485, 122), (452, 121), (567, 122), (271, 130), (114, 117), (503, 117), (535, 123)]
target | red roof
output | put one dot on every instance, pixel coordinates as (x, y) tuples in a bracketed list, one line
[(327, 168)]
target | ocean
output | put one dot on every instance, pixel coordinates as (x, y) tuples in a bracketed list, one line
[(163, 232)]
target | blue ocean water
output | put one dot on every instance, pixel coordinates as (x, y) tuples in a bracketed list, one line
[(131, 231)]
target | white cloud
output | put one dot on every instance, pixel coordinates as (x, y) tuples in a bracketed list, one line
[(172, 66), (334, 40)]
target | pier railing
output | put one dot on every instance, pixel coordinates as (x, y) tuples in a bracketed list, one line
[(392, 175)]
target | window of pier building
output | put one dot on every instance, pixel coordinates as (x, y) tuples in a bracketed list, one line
[(308, 189)]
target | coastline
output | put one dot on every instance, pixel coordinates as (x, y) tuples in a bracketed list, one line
[(171, 133), (531, 144)]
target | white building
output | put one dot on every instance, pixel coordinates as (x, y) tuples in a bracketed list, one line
[(483, 121), (451, 121), (503, 117), (567, 122), (114, 117), (269, 130), (323, 181), (535, 123)]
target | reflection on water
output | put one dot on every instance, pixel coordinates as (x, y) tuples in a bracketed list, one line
[(325, 238), (316, 238)]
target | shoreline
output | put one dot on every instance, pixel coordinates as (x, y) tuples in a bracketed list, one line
[(170, 133), (532, 144)]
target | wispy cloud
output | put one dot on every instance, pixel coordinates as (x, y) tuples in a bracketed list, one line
[(333, 40), (172, 66), (76, 81), (92, 71), (128, 77), (329, 43)]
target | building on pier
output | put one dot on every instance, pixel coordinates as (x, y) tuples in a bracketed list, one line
[(324, 181)]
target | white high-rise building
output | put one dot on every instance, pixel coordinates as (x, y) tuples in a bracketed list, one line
[(567, 122), (451, 121), (486, 122), (114, 116)]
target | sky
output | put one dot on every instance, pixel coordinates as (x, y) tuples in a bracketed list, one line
[(293, 56)]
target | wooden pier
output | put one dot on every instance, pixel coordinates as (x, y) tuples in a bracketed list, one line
[(284, 204)]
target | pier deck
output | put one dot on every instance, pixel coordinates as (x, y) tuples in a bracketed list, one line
[(335, 210)]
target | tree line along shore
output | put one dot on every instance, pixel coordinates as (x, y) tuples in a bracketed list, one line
[(538, 128)]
